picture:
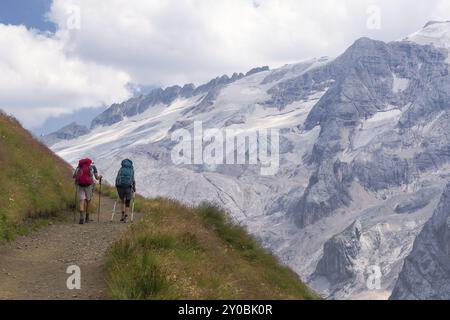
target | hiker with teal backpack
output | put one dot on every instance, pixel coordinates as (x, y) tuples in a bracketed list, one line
[(126, 187), (84, 179)]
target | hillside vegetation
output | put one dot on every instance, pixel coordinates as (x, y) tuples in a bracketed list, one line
[(35, 183), (177, 252)]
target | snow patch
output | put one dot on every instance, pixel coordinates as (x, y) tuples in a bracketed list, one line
[(400, 84), (384, 116), (380, 123)]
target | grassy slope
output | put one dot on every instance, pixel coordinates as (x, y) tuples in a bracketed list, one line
[(34, 182), (177, 252)]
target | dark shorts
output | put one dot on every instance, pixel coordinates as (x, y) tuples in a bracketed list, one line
[(125, 194)]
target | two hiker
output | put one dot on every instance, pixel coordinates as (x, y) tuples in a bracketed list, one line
[(84, 178)]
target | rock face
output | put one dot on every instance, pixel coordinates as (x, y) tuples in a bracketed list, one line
[(70, 132), (256, 70), (413, 205), (367, 84), (426, 271), (340, 253), (362, 137)]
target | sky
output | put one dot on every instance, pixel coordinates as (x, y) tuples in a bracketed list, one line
[(28, 12), (62, 56)]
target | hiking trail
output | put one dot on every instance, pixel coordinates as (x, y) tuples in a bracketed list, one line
[(34, 266)]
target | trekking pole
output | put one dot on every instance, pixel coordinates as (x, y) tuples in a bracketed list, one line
[(132, 207), (114, 211), (99, 201)]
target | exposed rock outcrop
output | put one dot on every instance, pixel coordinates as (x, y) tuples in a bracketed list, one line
[(340, 252), (426, 271)]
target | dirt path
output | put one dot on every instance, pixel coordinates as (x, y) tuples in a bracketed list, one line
[(34, 267)]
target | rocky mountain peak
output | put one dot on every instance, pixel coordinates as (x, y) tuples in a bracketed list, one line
[(436, 33), (69, 132), (430, 23)]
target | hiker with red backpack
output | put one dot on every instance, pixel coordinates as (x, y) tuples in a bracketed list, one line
[(84, 179)]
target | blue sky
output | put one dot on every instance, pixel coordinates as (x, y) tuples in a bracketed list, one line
[(30, 13)]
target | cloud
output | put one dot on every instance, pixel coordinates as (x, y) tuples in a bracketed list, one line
[(39, 80), (178, 41), (102, 45)]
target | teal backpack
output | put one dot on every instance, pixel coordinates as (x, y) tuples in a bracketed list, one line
[(125, 176)]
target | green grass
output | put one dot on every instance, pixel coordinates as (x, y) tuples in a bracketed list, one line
[(36, 184), (177, 252)]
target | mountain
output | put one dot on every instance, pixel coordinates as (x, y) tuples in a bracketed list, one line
[(363, 150), (35, 184), (158, 96), (426, 272), (68, 132)]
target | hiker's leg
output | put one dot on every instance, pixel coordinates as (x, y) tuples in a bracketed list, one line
[(82, 195), (88, 202), (89, 194), (122, 198), (122, 201), (127, 207), (122, 217), (128, 196), (129, 199), (81, 205)]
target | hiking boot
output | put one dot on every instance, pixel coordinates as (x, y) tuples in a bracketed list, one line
[(87, 220), (82, 220), (125, 219), (122, 219)]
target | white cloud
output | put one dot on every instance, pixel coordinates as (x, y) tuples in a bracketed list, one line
[(39, 80), (167, 42), (177, 41), (181, 41)]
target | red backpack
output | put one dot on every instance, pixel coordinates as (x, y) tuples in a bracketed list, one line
[(84, 175)]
